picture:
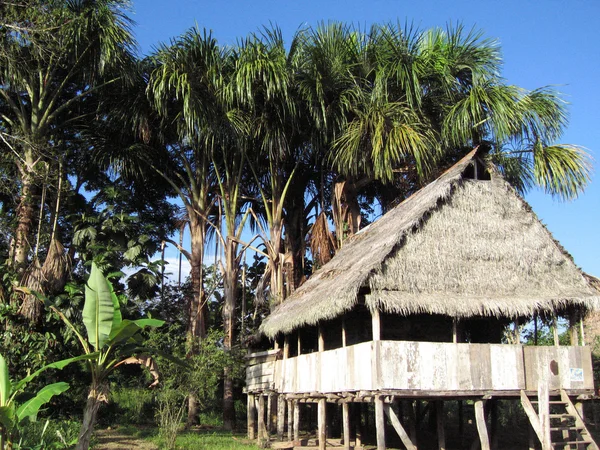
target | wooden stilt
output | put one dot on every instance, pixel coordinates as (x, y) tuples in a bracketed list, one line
[(412, 420), (251, 417), (270, 413), (482, 431), (281, 403), (263, 435), (406, 440), (296, 421), (358, 433), (380, 423), (290, 419), (346, 424), (440, 417), (322, 420)]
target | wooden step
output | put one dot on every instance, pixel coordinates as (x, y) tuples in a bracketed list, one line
[(566, 428)]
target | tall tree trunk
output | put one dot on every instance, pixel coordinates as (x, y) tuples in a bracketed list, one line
[(198, 310), (26, 213), (275, 261), (230, 288), (96, 397), (295, 234)]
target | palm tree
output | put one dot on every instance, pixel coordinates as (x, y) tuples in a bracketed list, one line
[(263, 81), (53, 57), (435, 95)]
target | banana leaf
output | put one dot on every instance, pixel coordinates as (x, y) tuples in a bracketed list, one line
[(31, 407), (99, 312)]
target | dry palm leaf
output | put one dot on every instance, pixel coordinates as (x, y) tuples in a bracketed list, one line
[(322, 244), (56, 268)]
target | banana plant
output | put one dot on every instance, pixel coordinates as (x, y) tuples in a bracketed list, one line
[(11, 414), (111, 341)]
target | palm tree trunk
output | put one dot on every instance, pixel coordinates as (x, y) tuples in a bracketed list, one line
[(95, 398), (198, 311), (230, 288)]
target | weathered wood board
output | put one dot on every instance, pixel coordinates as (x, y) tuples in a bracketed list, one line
[(424, 366), (566, 367)]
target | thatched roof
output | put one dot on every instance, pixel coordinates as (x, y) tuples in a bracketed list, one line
[(459, 247)]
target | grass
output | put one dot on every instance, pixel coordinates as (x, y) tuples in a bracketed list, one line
[(213, 440)]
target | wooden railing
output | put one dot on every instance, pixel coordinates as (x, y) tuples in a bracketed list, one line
[(427, 368)]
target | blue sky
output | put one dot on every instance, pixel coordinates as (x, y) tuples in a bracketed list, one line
[(544, 42)]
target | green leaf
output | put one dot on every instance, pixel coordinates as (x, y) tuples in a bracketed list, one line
[(5, 384), (56, 365), (7, 417), (154, 323), (31, 407), (123, 332), (99, 309)]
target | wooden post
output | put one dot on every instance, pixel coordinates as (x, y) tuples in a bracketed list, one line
[(544, 410), (263, 436), (344, 342), (296, 421), (454, 330), (535, 329), (439, 413), (555, 331), (270, 413), (321, 339), (346, 424), (251, 416), (299, 344), (573, 329), (516, 333), (290, 419), (379, 422), (281, 403), (484, 438), (581, 335), (286, 347), (322, 419), (412, 420), (376, 324), (358, 433)]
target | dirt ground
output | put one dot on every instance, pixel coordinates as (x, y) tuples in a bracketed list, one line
[(115, 440)]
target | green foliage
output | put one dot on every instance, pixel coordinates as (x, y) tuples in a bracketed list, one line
[(48, 435), (169, 414), (131, 405), (11, 415)]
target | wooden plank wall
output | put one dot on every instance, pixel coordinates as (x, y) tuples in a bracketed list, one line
[(558, 362), (431, 366), (426, 366)]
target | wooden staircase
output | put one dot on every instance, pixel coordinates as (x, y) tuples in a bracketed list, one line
[(557, 423)]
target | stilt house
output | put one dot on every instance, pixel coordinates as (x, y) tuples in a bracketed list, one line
[(417, 306)]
